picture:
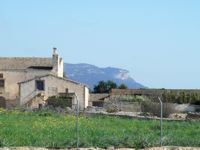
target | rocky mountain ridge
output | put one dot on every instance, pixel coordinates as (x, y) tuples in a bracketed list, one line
[(91, 75)]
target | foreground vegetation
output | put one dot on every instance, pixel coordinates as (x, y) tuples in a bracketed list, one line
[(45, 129)]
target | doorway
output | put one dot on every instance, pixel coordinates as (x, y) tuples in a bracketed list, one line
[(2, 102)]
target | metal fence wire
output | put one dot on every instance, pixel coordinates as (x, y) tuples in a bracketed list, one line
[(78, 126), (100, 128)]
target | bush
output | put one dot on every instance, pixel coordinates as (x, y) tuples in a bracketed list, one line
[(2, 110), (112, 109), (182, 97), (45, 114), (154, 108), (129, 98), (62, 102)]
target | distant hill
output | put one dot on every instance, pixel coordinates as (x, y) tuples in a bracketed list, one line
[(91, 75)]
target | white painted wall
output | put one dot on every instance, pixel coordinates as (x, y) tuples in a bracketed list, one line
[(13, 77), (27, 92), (60, 68), (86, 96), (61, 84), (58, 64)]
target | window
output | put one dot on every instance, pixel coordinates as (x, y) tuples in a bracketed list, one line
[(40, 85), (1, 75), (2, 83)]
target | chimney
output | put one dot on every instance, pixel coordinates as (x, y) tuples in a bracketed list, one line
[(55, 51), (55, 56), (57, 63)]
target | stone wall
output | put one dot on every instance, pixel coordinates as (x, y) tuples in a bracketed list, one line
[(156, 92), (123, 105), (129, 106), (150, 106), (27, 92), (12, 77), (187, 108), (20, 69), (27, 89)]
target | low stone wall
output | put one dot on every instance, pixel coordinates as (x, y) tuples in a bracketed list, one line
[(187, 108), (139, 107), (123, 106), (129, 106)]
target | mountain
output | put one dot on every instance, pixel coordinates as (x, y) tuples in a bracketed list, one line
[(91, 75)]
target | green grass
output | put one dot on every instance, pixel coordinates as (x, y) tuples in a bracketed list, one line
[(44, 129)]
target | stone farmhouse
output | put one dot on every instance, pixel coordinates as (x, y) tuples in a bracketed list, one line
[(28, 82)]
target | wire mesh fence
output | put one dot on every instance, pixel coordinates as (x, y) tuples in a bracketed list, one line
[(99, 129), (150, 130)]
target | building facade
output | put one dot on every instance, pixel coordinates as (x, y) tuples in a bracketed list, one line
[(19, 72), (51, 85)]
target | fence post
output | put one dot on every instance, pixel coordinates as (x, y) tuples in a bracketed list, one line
[(161, 120), (77, 122)]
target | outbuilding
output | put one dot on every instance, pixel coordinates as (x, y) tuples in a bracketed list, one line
[(34, 92)]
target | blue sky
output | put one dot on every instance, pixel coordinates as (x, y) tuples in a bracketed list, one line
[(157, 40)]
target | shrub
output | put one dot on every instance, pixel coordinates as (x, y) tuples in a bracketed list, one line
[(45, 114), (154, 108), (129, 98), (2, 110), (112, 109), (181, 97), (62, 102)]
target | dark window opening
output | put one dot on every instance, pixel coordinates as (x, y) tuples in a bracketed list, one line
[(1, 75), (2, 102), (40, 106), (40, 85), (2, 83), (41, 67), (97, 104)]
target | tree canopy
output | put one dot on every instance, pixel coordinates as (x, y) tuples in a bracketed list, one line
[(106, 86), (122, 86)]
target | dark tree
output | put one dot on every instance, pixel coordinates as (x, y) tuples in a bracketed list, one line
[(104, 86), (111, 85), (122, 86), (101, 87)]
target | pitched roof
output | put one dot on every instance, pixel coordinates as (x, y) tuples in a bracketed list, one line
[(98, 97), (18, 63), (64, 79)]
